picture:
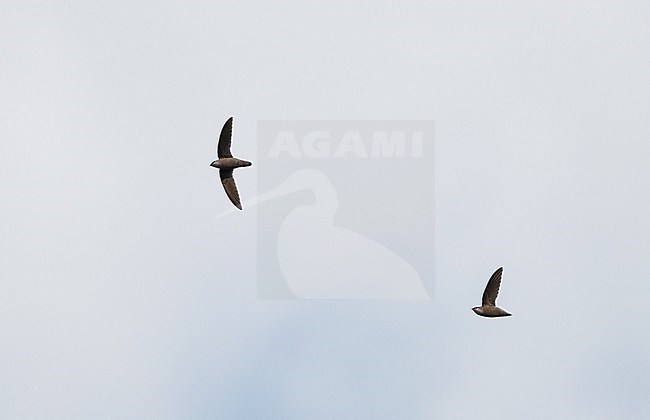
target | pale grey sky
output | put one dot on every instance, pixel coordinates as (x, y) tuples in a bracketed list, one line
[(116, 298)]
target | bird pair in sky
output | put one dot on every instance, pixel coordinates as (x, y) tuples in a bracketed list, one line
[(226, 164)]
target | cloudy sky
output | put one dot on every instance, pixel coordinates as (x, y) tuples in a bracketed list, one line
[(123, 295)]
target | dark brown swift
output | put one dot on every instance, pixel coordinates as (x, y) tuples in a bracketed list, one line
[(488, 307), (226, 163)]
